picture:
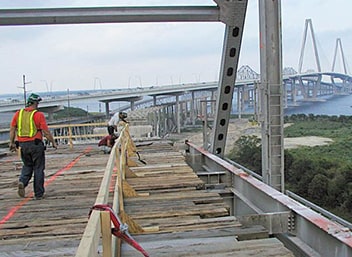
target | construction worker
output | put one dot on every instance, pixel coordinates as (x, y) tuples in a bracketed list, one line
[(115, 120), (27, 127), (107, 142)]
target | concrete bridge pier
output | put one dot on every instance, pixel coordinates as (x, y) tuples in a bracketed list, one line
[(302, 88), (107, 110), (317, 87), (51, 110), (50, 116), (294, 92)]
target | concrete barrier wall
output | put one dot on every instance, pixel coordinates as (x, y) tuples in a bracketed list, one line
[(135, 131)]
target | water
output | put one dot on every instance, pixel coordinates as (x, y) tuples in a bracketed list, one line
[(335, 105)]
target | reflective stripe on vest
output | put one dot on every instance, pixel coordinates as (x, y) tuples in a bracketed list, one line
[(25, 124)]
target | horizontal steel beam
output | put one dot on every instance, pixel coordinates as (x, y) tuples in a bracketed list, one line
[(46, 16), (316, 232)]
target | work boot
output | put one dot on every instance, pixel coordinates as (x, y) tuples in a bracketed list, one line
[(21, 191), (39, 197)]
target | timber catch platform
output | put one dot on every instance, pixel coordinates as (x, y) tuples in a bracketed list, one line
[(178, 213)]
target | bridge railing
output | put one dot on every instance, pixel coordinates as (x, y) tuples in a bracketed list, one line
[(90, 241), (78, 133)]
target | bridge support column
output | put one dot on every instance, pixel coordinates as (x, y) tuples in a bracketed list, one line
[(166, 119), (240, 101), (177, 112), (213, 103), (186, 113), (192, 111), (294, 92), (256, 103), (50, 116), (133, 106), (107, 110), (156, 118)]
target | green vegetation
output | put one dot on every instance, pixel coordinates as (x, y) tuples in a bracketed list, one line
[(321, 174), (70, 112)]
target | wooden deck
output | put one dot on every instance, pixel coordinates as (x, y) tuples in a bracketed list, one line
[(179, 217)]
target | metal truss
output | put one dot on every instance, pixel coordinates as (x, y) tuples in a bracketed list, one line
[(247, 73)]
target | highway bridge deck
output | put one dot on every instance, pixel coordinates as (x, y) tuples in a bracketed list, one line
[(179, 216)]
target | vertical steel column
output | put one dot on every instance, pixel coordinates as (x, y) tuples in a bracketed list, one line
[(271, 81), (177, 113), (193, 118), (212, 103), (232, 13), (204, 115)]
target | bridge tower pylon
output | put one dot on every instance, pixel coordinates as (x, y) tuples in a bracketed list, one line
[(337, 47), (309, 25)]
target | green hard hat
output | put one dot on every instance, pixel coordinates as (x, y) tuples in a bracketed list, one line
[(32, 98)]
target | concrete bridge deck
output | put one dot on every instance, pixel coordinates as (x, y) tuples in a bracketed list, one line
[(179, 216)]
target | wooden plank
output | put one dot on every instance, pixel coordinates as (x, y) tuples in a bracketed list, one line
[(52, 227), (220, 246), (106, 233)]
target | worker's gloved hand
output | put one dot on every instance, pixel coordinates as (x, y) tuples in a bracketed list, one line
[(12, 147)]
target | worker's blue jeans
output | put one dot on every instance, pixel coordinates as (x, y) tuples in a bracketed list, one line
[(33, 158)]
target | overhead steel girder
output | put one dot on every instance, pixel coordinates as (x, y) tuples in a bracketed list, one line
[(46, 16), (228, 71), (75, 15)]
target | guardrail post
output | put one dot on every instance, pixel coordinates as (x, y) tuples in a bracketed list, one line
[(70, 136), (106, 233)]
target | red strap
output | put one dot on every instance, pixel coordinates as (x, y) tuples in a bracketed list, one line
[(120, 230)]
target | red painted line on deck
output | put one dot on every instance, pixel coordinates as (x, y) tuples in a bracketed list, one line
[(14, 209)]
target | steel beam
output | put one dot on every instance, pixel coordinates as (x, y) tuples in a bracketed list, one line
[(272, 92), (228, 71), (314, 231), (46, 16)]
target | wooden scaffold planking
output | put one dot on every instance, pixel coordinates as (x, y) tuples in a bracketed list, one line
[(52, 226), (191, 221)]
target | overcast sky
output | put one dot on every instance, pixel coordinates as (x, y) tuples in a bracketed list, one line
[(94, 56)]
